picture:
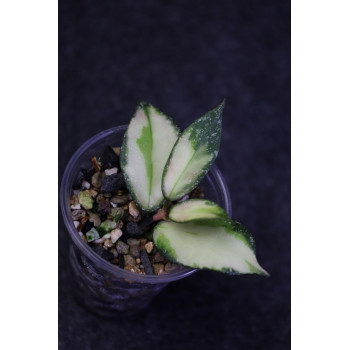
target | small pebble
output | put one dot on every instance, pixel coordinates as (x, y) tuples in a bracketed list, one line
[(121, 199), (116, 150), (75, 206), (146, 263), (111, 171), (78, 214), (105, 254), (133, 209), (138, 261), (133, 241), (112, 183), (108, 158), (129, 260), (76, 223), (93, 193), (132, 268), (107, 226), (149, 247), (87, 227), (146, 221), (143, 241), (116, 234), (104, 206), (158, 258), (95, 219), (133, 229), (103, 238), (158, 269), (170, 267), (122, 248), (108, 243), (92, 235), (85, 200), (85, 184), (96, 179), (134, 251), (114, 252), (78, 180), (117, 213)]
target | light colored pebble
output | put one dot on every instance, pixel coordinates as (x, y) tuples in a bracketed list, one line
[(116, 150), (76, 206), (114, 205), (108, 243), (94, 218), (93, 193), (111, 171), (78, 214), (158, 269), (103, 238), (133, 241), (116, 234), (96, 179), (138, 260), (85, 184), (134, 211), (129, 260), (132, 268), (149, 247), (76, 223)]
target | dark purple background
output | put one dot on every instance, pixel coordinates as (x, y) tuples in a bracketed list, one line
[(185, 57)]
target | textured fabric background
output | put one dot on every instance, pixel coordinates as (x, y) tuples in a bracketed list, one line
[(185, 57)]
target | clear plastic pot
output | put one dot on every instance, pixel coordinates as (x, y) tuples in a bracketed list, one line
[(102, 287)]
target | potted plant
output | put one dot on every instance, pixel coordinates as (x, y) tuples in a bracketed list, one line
[(138, 219)]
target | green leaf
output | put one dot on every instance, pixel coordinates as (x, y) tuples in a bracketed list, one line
[(193, 154), (221, 248), (146, 147)]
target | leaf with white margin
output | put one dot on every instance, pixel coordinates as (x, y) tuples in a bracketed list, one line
[(147, 144), (219, 248), (193, 154), (199, 211)]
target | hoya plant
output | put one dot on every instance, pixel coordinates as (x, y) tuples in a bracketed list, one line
[(161, 166)]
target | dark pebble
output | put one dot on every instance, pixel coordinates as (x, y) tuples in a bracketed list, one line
[(78, 180), (135, 251), (121, 261), (88, 175), (146, 263), (104, 207), (133, 229), (87, 227), (112, 183), (103, 217), (105, 254), (146, 221), (109, 159)]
